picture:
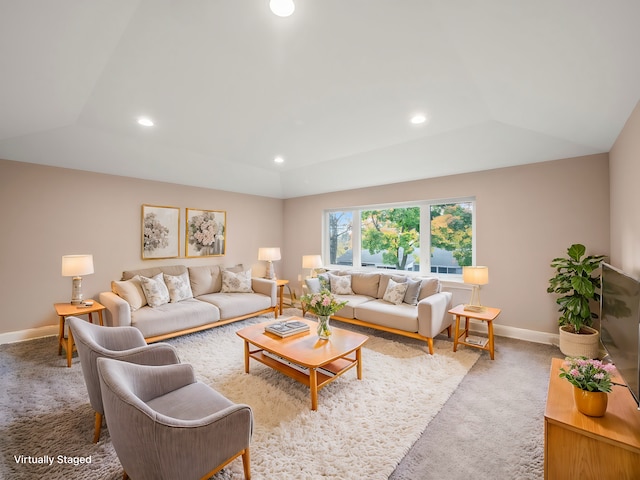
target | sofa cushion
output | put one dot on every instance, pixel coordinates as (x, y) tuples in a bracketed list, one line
[(365, 283), (348, 311), (403, 316), (413, 290), (340, 284), (178, 286), (430, 286), (155, 290), (131, 292), (205, 279), (236, 282), (395, 292), (174, 317), (233, 305)]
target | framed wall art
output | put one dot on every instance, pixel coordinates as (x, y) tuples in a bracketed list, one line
[(160, 232), (205, 233)]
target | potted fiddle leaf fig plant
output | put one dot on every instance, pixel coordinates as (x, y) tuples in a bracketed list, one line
[(578, 285)]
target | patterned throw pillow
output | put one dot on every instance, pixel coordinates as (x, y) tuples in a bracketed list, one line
[(395, 292), (340, 284), (179, 287), (324, 281), (131, 291), (155, 290), (236, 282)]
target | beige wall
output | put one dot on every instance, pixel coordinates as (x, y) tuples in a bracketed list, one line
[(526, 216), (624, 175), (48, 212)]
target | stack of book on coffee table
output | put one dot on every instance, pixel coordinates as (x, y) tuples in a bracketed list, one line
[(285, 329)]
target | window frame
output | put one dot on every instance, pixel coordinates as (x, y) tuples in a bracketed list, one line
[(425, 234)]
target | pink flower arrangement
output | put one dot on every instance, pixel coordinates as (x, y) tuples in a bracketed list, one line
[(323, 303), (587, 374)]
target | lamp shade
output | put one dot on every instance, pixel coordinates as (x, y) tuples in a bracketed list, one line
[(475, 275), (77, 265), (269, 254), (311, 261)]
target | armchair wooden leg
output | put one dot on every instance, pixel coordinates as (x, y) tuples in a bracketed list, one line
[(124, 475), (449, 331), (98, 427), (430, 342), (246, 464)]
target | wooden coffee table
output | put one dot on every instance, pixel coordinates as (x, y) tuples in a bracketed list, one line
[(316, 362)]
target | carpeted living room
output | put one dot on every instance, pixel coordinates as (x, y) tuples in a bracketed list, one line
[(297, 133)]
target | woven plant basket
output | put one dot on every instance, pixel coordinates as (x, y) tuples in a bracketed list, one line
[(580, 345)]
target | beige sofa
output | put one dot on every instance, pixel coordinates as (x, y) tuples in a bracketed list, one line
[(421, 312), (198, 300)]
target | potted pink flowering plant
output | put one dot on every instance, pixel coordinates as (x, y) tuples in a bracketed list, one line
[(323, 304), (591, 380)]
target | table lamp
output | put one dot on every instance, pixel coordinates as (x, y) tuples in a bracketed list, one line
[(75, 266), (311, 262), (269, 255), (475, 276)]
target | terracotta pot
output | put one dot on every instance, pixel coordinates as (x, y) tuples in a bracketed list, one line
[(593, 404)]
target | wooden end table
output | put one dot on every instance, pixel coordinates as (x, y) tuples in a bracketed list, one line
[(487, 316), (65, 310), (280, 283), (316, 362)]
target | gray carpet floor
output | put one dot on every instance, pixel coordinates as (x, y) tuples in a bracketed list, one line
[(493, 424), (491, 427)]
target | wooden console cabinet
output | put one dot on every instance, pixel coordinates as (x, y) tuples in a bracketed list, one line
[(580, 447)]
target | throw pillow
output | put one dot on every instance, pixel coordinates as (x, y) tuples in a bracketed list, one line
[(236, 282), (413, 290), (324, 281), (155, 290), (131, 292), (430, 286), (340, 284), (313, 284), (178, 286), (395, 292)]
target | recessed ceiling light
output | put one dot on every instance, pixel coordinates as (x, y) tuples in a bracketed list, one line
[(282, 8), (145, 121), (418, 118), (278, 159)]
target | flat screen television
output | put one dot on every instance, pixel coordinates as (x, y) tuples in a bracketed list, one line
[(620, 325)]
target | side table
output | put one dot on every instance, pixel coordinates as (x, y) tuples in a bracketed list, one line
[(487, 316), (65, 310), (280, 284)]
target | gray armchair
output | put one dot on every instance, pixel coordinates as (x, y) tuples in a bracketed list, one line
[(164, 424), (122, 343)]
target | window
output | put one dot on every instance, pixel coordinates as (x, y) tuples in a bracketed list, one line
[(393, 237)]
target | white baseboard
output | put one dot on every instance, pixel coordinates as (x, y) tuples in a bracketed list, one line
[(476, 328), (29, 334), (518, 333)]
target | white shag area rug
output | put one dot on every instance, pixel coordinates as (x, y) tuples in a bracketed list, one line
[(362, 428)]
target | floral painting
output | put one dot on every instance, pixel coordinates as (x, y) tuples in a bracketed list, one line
[(205, 233), (160, 232)]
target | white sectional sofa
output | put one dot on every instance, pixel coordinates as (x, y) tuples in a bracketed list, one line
[(420, 312), (198, 299)]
